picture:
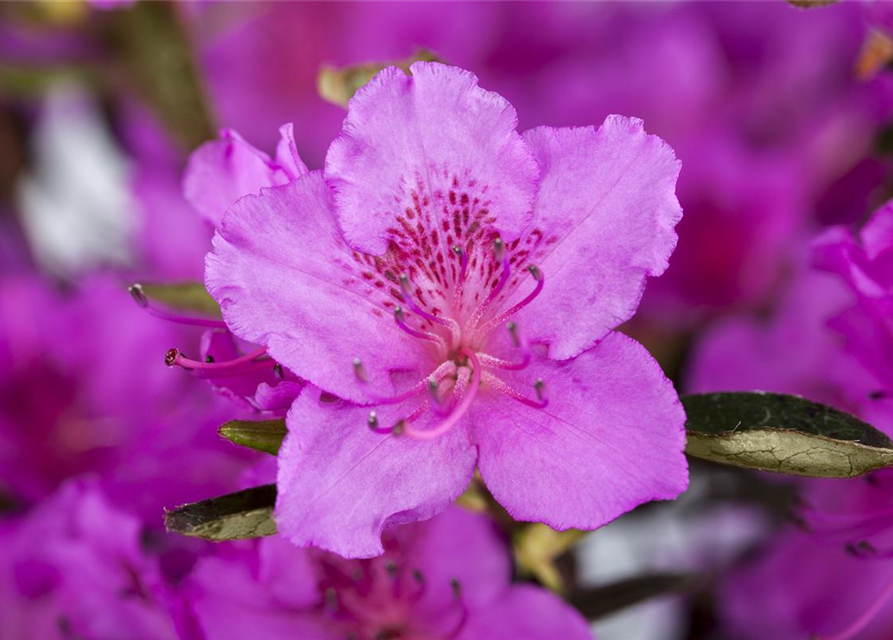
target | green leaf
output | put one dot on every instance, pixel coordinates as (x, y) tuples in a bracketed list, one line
[(599, 602), (783, 433), (260, 435), (235, 516), (338, 85), (191, 297)]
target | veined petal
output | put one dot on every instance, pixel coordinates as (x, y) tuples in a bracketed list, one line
[(222, 171), (285, 279), (603, 222), (427, 148), (611, 438), (340, 484)]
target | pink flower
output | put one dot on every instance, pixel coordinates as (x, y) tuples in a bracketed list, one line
[(447, 578), (450, 287), (866, 265), (76, 567)]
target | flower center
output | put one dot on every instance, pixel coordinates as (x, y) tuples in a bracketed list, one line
[(459, 337), (374, 599)]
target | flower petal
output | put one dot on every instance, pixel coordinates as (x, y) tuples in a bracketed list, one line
[(229, 600), (611, 438), (222, 171), (603, 222), (416, 144), (526, 613), (340, 484), (284, 279)]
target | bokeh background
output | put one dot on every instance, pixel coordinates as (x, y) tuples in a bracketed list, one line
[(780, 116)]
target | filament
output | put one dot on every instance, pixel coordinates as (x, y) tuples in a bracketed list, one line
[(461, 408), (499, 385)]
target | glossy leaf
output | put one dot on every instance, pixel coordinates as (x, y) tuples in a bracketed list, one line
[(783, 433), (260, 435), (235, 516)]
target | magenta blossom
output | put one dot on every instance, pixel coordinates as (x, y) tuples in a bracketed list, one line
[(450, 287), (447, 578), (75, 567), (222, 171), (866, 265)]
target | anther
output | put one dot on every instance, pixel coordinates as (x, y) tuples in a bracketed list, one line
[(359, 370), (456, 587), (399, 427), (398, 314), (463, 268), (170, 357), (331, 599), (540, 387), (209, 359), (433, 389), (499, 249), (139, 296), (373, 420), (535, 272), (391, 568), (278, 371), (418, 576), (513, 331)]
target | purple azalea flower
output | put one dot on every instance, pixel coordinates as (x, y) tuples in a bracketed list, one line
[(824, 342), (75, 568), (455, 285), (222, 171), (66, 411), (866, 265), (218, 174), (445, 578)]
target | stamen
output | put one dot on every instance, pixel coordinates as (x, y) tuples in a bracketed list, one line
[(540, 279), (407, 295), (540, 387), (247, 363), (460, 409), (463, 269), (139, 296), (867, 616), (519, 341), (359, 370), (433, 390), (399, 426), (499, 249), (444, 369), (499, 385), (400, 318), (463, 610)]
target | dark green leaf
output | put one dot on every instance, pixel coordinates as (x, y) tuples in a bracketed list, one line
[(190, 297), (260, 435), (235, 516), (783, 433), (599, 602)]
